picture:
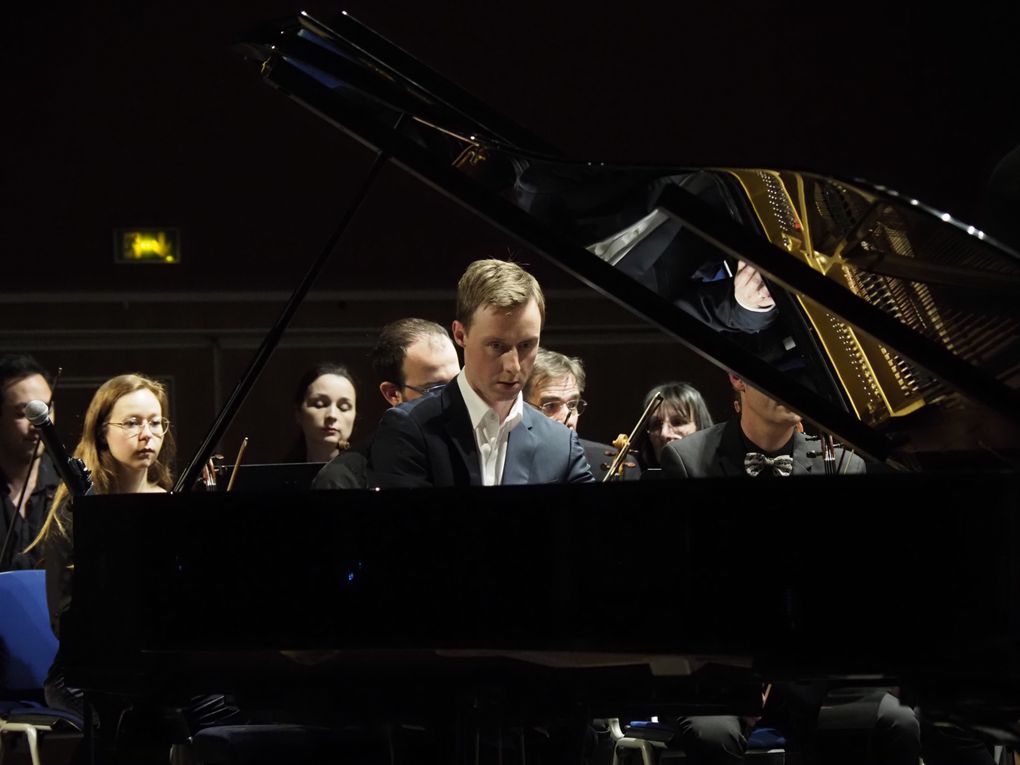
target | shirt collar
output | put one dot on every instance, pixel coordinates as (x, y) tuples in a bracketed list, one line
[(477, 408)]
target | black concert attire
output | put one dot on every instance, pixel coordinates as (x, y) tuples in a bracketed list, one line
[(347, 470), (198, 712), (26, 528), (724, 450)]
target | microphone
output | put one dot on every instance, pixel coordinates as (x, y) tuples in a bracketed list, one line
[(71, 469)]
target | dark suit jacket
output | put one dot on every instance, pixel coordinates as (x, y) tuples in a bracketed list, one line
[(347, 470), (719, 451), (430, 442)]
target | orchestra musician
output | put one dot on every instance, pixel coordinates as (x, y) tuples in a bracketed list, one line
[(682, 412), (127, 445), (764, 441), (555, 387), (477, 430), (325, 405), (411, 358), (28, 479)]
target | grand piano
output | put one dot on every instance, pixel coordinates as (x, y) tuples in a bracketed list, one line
[(894, 332)]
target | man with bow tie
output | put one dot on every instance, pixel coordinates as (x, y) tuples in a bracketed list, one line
[(763, 443)]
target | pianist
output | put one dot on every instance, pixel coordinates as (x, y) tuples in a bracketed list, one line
[(477, 431)]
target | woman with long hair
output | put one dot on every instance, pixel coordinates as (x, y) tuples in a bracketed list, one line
[(127, 445), (682, 412)]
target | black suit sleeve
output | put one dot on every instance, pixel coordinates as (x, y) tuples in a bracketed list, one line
[(399, 456), (672, 463), (348, 470)]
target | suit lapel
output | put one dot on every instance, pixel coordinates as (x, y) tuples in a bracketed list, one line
[(520, 452), (729, 459), (458, 428)]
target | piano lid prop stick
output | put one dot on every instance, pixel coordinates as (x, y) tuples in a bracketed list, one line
[(237, 464)]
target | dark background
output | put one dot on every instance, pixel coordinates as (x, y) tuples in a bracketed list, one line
[(122, 114)]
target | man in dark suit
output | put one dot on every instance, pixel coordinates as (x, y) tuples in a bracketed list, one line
[(478, 431), (411, 358), (765, 441)]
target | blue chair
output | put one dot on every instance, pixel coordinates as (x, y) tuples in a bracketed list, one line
[(27, 648)]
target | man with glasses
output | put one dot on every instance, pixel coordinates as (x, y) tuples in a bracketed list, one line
[(412, 358), (478, 431), (555, 387)]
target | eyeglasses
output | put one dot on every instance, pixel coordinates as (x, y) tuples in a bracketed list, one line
[(132, 427), (675, 423), (555, 408), (425, 390)]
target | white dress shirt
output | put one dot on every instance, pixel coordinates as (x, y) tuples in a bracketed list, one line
[(491, 437)]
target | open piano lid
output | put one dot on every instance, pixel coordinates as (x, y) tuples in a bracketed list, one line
[(895, 326)]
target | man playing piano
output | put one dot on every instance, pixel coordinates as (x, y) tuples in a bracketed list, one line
[(477, 431)]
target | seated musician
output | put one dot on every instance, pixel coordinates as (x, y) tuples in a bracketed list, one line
[(127, 445), (27, 476), (411, 358), (324, 408), (477, 431), (763, 441), (682, 412), (555, 388)]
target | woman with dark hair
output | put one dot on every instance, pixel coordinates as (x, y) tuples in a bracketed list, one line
[(682, 412), (325, 405)]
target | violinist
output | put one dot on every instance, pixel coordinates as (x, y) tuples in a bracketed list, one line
[(555, 387), (763, 442)]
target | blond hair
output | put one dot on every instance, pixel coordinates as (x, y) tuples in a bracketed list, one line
[(498, 283), (93, 451)]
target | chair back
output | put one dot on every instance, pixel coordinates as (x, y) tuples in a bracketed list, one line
[(27, 644)]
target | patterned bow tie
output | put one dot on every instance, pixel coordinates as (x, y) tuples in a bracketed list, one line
[(781, 465)]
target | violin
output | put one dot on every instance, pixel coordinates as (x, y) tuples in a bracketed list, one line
[(622, 442)]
